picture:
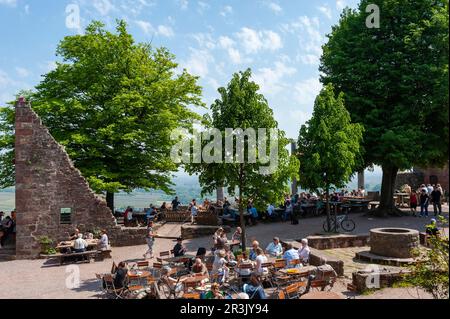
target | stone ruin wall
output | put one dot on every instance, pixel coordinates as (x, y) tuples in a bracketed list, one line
[(46, 181)]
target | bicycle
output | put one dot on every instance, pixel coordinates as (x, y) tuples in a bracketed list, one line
[(340, 221)]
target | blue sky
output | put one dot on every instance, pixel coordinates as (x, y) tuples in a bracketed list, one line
[(280, 40)]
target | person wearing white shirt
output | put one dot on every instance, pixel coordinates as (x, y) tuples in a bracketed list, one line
[(80, 244), (220, 265), (274, 248), (429, 189), (244, 261), (104, 241), (260, 259), (304, 251)]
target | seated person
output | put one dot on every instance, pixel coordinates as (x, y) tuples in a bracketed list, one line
[(177, 284), (304, 251), (163, 207), (214, 293), (244, 261), (253, 255), (104, 241), (274, 249), (237, 235), (175, 204), (432, 229), (80, 244), (120, 275), (260, 259), (199, 267), (74, 235), (254, 288), (179, 249), (289, 255), (219, 265), (222, 241)]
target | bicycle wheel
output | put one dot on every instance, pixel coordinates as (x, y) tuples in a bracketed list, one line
[(348, 225)]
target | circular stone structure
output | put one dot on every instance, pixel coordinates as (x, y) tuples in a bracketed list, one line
[(393, 242)]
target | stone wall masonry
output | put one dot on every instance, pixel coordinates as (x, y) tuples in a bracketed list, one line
[(46, 181), (338, 241)]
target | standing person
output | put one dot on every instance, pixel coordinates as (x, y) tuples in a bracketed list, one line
[(413, 203), (424, 201), (150, 239), (429, 189), (175, 204), (194, 210), (436, 196)]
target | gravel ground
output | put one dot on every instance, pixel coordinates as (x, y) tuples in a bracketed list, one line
[(41, 279)]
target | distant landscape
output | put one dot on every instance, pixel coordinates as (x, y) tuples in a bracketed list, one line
[(186, 187)]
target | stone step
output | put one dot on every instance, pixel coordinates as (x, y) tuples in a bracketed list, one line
[(7, 253)]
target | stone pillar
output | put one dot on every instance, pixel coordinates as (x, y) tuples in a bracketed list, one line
[(219, 192), (294, 181)]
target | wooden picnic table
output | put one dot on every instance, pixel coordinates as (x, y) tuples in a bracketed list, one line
[(179, 259), (194, 278), (400, 199), (139, 273), (297, 271), (71, 244)]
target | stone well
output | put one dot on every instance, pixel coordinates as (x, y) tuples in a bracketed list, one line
[(393, 242)]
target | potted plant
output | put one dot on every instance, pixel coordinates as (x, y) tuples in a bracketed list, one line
[(47, 245)]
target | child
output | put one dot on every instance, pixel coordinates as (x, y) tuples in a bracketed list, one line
[(413, 203)]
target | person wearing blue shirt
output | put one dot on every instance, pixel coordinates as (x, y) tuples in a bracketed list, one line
[(254, 214), (289, 255), (274, 249)]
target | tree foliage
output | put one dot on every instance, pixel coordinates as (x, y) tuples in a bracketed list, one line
[(113, 104), (241, 106), (329, 144), (395, 80)]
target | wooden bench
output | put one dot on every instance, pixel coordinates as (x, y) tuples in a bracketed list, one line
[(374, 204), (177, 217), (86, 256)]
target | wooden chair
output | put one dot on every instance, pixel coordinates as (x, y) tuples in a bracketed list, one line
[(160, 260), (157, 265), (268, 276), (319, 284), (190, 285), (292, 291), (142, 264), (194, 295), (280, 263), (164, 254), (117, 293), (113, 268), (281, 295), (295, 262)]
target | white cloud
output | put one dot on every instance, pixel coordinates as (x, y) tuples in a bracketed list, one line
[(275, 7), (183, 4), (235, 55), (9, 3), (226, 11), (305, 91), (225, 42), (165, 31), (308, 59), (202, 7), (104, 7), (325, 9), (254, 41), (198, 61), (22, 72), (341, 4), (270, 79), (299, 117), (145, 26), (204, 40)]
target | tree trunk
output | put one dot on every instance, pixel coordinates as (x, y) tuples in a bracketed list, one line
[(387, 205), (110, 201), (219, 193), (241, 206), (327, 207)]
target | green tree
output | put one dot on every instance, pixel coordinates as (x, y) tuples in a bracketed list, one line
[(241, 106), (430, 271), (329, 145), (113, 104), (395, 80)]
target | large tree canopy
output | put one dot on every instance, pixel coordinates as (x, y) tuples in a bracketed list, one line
[(240, 106), (395, 80), (113, 104), (329, 144)]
